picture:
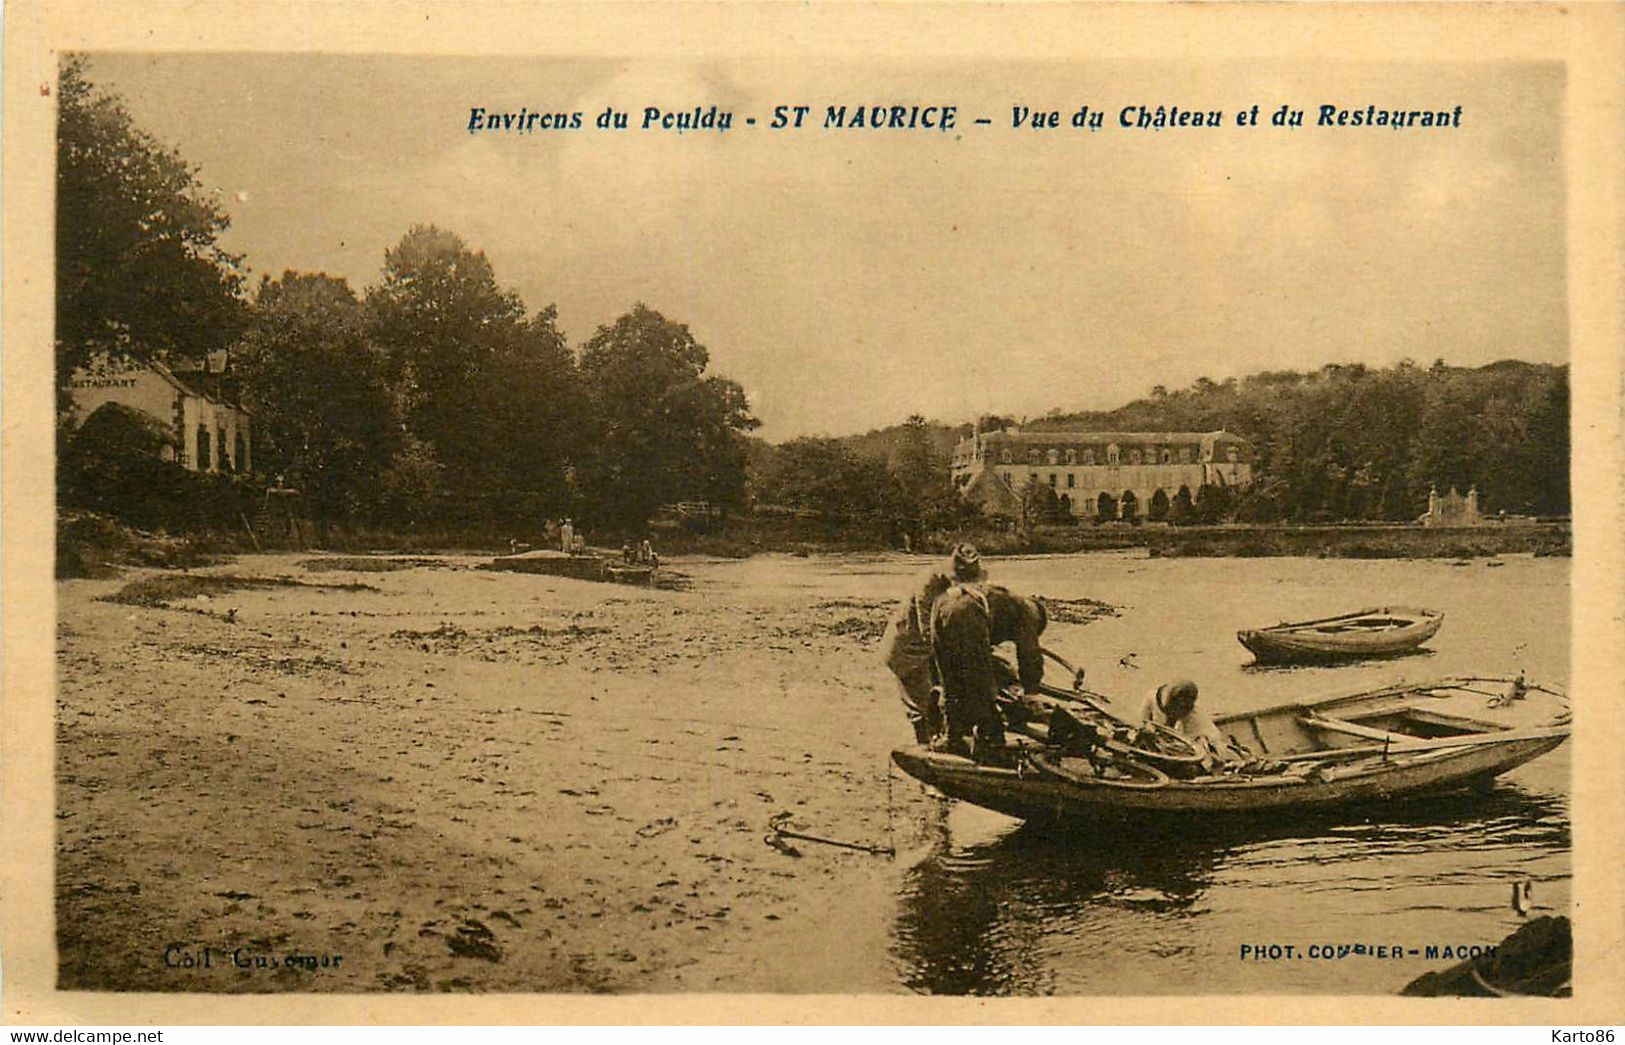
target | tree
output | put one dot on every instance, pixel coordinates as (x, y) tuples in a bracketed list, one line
[(489, 393), (924, 492), (828, 478), (658, 429), (1546, 452), (325, 415), (1039, 504), (140, 273), (1213, 503)]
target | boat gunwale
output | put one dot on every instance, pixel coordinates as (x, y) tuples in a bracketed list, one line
[(1424, 689), (1416, 613)]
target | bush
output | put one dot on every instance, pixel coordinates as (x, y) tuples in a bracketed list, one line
[(111, 465), (90, 545)]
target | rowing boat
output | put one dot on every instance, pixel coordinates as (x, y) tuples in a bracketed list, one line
[(1364, 633), (1362, 749)]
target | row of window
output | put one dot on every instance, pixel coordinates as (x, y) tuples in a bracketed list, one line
[(1114, 456), (228, 462), (1054, 481)]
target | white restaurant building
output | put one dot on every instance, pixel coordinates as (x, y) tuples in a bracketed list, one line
[(206, 427)]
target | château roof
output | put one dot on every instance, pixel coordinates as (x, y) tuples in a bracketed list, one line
[(1061, 436)]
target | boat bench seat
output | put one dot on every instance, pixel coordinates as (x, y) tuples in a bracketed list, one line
[(1353, 729)]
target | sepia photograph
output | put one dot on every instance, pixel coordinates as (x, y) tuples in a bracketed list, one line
[(717, 524)]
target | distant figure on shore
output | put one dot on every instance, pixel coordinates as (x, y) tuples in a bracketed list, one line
[(966, 623), (567, 537), (646, 553), (628, 556), (906, 647)]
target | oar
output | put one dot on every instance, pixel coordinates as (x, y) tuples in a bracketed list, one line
[(1097, 701), (1094, 700)]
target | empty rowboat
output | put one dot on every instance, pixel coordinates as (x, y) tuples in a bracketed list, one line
[(1361, 750), (1365, 633)]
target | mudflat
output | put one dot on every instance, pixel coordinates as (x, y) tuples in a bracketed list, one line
[(348, 775)]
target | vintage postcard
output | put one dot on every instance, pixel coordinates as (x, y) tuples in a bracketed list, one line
[(862, 513)]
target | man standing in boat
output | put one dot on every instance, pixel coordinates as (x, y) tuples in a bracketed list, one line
[(906, 646), (966, 623)]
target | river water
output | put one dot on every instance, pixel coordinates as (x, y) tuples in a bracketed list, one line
[(983, 905)]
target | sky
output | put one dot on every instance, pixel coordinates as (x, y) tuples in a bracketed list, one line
[(850, 278)]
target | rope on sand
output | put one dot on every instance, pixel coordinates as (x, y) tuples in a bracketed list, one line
[(776, 835)]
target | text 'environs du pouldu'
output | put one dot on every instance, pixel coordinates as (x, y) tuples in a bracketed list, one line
[(945, 118)]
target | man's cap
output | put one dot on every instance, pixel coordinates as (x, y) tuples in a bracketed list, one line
[(968, 563), (1183, 690)]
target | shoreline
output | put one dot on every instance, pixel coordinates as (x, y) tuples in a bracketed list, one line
[(94, 546)]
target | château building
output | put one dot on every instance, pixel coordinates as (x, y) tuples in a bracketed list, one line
[(1098, 475)]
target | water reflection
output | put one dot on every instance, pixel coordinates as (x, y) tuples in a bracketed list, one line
[(1107, 909)]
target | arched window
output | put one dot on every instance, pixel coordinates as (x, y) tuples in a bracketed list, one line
[(1052, 480), (1071, 457), (1088, 457), (1004, 456), (1167, 455), (1071, 480), (1053, 456), (1113, 454), (1134, 457), (1033, 457)]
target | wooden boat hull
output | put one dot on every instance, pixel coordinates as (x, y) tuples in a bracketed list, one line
[(1305, 643), (1361, 749), (1026, 795)]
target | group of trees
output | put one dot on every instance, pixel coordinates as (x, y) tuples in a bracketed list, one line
[(1342, 443), (1358, 443), (434, 392), (898, 488)]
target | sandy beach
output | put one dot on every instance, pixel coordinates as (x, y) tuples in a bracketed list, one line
[(454, 779)]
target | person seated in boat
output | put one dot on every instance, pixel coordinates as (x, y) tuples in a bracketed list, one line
[(1174, 706), (966, 623), (906, 647)]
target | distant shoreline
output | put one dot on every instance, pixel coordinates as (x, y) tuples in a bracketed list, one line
[(95, 546), (1345, 541)]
